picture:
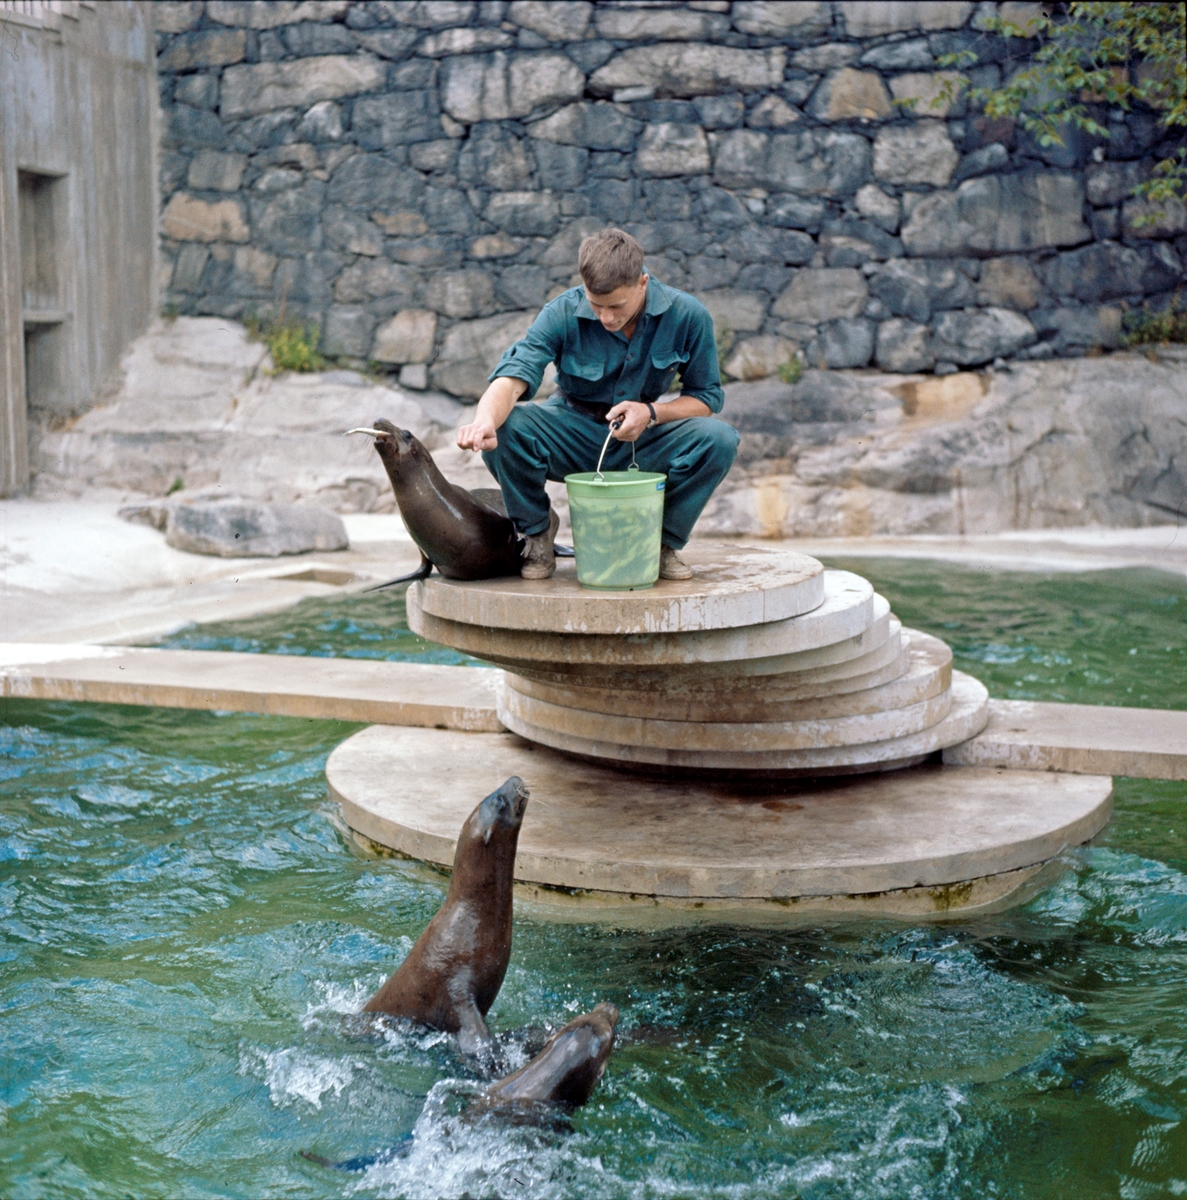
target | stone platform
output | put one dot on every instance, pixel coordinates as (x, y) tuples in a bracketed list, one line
[(764, 663), (931, 840)]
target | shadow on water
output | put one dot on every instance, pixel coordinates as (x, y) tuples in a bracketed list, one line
[(182, 927)]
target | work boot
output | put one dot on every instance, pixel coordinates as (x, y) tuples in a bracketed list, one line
[(539, 558), (671, 565)]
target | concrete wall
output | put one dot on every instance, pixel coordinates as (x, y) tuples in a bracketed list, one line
[(78, 169), (416, 178)]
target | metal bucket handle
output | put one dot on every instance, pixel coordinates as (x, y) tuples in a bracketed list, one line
[(605, 445)]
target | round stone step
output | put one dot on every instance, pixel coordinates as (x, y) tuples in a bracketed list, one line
[(847, 611), (757, 698), (731, 586), (932, 839), (967, 717)]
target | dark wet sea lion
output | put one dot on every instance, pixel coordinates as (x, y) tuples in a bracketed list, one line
[(464, 534), (564, 1074), (453, 974), (559, 1079)]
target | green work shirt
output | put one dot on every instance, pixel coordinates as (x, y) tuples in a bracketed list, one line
[(674, 333)]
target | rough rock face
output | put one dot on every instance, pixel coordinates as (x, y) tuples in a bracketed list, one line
[(415, 176), (1042, 444), (240, 529)]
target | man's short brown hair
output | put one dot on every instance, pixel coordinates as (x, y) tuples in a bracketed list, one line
[(608, 260)]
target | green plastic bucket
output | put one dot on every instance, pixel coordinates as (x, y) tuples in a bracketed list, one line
[(617, 517)]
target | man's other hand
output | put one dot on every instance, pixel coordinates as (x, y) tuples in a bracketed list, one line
[(635, 417), (478, 436)]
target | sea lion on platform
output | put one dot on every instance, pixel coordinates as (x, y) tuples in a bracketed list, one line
[(453, 974), (464, 534), (558, 1080)]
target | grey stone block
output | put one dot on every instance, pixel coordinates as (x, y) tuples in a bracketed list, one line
[(461, 293), (371, 279), (448, 210), (849, 95), (440, 155), (589, 55), (304, 281), (766, 277), (209, 48), (556, 20), (1102, 271), (904, 346), (1164, 268), (912, 55), (734, 310), (311, 37), (464, 41), (706, 273), (669, 199), (194, 127), (989, 158), (472, 348), (526, 213), (720, 112), (807, 161), (393, 120), (240, 529), (561, 168), (848, 342), (613, 199), (523, 286), (795, 212), (1009, 283), (436, 250), (211, 170), (921, 152), (200, 91), (973, 336), (659, 24), (1109, 183), (817, 295), (417, 75), (408, 337), (997, 215), (432, 14), (322, 123), (609, 164), (916, 288), (264, 87), (799, 20), (676, 69), (187, 270), (348, 331), (372, 181), (351, 232), (670, 149), (386, 43), (491, 158), (1074, 329), (289, 222), (599, 126), (498, 86)]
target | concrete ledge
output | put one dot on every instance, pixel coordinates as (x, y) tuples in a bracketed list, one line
[(340, 689), (1084, 739), (594, 829)]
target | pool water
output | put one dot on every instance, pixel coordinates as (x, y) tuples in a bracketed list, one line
[(182, 925)]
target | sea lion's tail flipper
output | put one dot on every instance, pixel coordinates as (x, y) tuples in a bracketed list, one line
[(363, 1161), (422, 572), (563, 551)]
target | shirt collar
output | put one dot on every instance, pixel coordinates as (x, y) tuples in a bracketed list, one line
[(658, 300)]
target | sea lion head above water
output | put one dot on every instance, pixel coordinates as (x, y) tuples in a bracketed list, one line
[(453, 974), (565, 1073)]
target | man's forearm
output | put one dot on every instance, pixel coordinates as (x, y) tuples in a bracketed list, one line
[(499, 399), (681, 407)]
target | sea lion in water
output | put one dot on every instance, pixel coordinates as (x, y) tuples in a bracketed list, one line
[(453, 974), (558, 1080), (464, 534)]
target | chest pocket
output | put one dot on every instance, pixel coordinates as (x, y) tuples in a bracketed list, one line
[(663, 370), (584, 375)]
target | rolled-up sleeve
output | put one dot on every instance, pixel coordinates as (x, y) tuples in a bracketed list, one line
[(528, 357), (701, 376)]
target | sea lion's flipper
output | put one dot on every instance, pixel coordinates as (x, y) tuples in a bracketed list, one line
[(563, 551), (422, 572), (473, 1036), (363, 1161), (491, 497)]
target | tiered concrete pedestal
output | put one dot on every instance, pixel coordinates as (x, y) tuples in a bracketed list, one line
[(676, 742)]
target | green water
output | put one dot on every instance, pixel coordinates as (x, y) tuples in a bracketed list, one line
[(181, 925)]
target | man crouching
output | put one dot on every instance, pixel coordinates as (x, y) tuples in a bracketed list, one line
[(618, 342)]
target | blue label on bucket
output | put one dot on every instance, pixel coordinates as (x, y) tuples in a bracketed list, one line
[(659, 487)]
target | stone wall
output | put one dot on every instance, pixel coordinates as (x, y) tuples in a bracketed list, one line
[(416, 177)]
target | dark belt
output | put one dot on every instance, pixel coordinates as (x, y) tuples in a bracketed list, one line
[(589, 408)]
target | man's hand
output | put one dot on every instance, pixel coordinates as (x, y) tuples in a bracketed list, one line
[(635, 417), (478, 436)]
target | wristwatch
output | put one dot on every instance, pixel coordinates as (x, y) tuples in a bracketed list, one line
[(651, 409)]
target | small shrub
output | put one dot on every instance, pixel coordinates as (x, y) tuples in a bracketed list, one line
[(725, 343), (176, 486), (1143, 327), (292, 344), (792, 371), (170, 312)]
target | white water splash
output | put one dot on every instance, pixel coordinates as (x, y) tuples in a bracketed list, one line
[(296, 1074)]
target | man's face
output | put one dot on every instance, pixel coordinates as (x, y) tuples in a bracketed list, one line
[(618, 308)]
